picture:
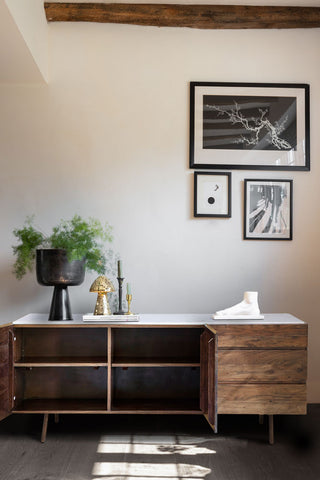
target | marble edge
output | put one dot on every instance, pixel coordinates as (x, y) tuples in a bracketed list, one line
[(162, 319)]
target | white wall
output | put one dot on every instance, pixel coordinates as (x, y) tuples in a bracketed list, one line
[(18, 65), (108, 137), (31, 21)]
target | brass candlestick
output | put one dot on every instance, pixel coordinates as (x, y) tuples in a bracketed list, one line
[(129, 299)]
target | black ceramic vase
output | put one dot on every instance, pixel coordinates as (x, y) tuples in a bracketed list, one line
[(54, 269)]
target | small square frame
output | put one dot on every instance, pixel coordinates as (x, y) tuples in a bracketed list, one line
[(268, 209), (212, 194)]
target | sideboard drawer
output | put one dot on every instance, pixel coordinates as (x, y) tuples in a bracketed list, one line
[(262, 336), (262, 399), (262, 366)]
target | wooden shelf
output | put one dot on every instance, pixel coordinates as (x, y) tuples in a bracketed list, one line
[(61, 406), (78, 361), (100, 406), (171, 406), (154, 362)]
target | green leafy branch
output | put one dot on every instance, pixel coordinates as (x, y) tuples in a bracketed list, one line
[(80, 238)]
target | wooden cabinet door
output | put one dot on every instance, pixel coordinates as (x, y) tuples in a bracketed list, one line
[(208, 376), (6, 359)]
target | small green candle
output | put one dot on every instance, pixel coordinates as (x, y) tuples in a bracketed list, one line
[(120, 268), (128, 289)]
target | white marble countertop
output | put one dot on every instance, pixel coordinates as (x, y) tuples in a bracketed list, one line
[(155, 319)]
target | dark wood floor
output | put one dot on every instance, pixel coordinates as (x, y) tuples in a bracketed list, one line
[(95, 447)]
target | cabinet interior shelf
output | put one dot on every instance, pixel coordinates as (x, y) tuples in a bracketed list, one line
[(65, 361), (61, 406), (184, 406), (102, 362), (156, 406), (155, 362)]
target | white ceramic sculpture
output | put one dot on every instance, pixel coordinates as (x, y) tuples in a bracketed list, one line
[(248, 308)]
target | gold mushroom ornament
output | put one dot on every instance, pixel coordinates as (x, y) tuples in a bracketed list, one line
[(102, 286)]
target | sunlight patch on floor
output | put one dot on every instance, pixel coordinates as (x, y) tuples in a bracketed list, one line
[(148, 439), (155, 439), (150, 470), (152, 449), (141, 449), (121, 477)]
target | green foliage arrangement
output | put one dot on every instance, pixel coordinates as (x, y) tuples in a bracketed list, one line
[(80, 238)]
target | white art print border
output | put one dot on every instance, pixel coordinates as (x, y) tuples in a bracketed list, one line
[(279, 159), (268, 209), (212, 194)]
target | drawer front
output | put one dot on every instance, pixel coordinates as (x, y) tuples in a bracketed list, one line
[(262, 399), (262, 336), (262, 366)]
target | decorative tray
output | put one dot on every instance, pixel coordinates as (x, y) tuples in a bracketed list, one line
[(89, 317)]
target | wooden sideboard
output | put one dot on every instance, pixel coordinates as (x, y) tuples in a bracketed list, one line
[(164, 364)]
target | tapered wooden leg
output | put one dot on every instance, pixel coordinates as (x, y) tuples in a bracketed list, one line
[(56, 418), (261, 418), (44, 427), (271, 430)]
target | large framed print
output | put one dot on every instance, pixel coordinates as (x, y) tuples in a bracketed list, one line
[(267, 209), (212, 194), (249, 126)]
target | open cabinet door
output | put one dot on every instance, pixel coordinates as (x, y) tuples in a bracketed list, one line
[(208, 376), (6, 365)]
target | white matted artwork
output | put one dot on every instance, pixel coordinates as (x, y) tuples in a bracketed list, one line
[(260, 126), (267, 209), (212, 194)]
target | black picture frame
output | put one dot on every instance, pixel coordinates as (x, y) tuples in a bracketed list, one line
[(268, 208), (212, 200), (249, 126)]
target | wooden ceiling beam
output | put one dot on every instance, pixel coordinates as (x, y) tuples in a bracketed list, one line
[(192, 16)]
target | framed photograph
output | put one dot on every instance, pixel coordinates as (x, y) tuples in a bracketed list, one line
[(249, 126), (267, 209), (212, 194)]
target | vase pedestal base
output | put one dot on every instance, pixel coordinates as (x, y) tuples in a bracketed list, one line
[(60, 309)]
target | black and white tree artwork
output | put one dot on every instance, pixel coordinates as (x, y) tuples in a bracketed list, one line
[(249, 122)]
